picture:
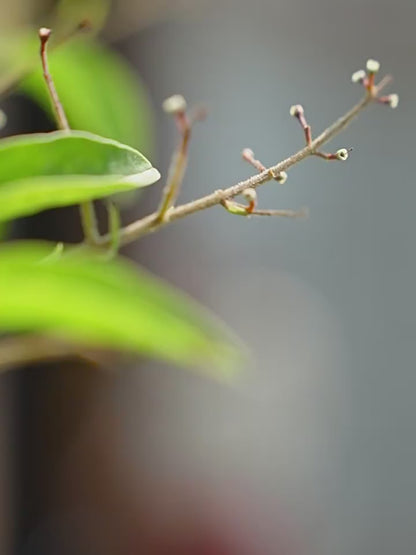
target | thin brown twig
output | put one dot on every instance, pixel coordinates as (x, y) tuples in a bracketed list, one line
[(177, 168), (298, 112), (176, 106), (12, 81), (281, 212), (248, 156), (61, 119), (87, 210), (386, 80), (251, 210)]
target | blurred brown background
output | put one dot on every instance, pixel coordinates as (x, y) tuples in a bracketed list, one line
[(314, 450)]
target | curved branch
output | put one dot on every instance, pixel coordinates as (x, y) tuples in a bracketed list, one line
[(152, 222)]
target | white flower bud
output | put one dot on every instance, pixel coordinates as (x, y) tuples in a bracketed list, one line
[(342, 154), (296, 110), (393, 100), (174, 104), (44, 33), (247, 154), (281, 178), (373, 66), (358, 76), (250, 195)]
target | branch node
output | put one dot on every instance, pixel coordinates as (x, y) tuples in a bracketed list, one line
[(280, 177), (248, 155)]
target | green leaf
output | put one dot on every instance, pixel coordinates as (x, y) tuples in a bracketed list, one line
[(99, 91), (112, 305), (69, 13), (47, 170), (19, 54)]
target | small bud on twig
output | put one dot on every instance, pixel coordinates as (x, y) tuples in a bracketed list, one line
[(391, 100), (367, 79), (373, 66), (248, 155), (298, 112), (251, 197), (358, 76), (175, 104), (342, 154), (281, 178), (44, 34)]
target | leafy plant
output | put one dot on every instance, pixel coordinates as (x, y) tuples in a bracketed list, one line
[(88, 295)]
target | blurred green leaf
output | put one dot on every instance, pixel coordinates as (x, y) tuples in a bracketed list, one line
[(19, 54), (69, 13), (99, 91), (19, 47), (112, 304), (46, 170)]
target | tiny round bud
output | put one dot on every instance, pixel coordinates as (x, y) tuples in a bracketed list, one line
[(250, 195), (247, 154), (393, 100), (373, 66), (174, 104), (44, 33), (358, 76), (296, 110), (342, 154), (281, 178)]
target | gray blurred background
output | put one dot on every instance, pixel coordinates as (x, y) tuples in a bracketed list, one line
[(314, 450)]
